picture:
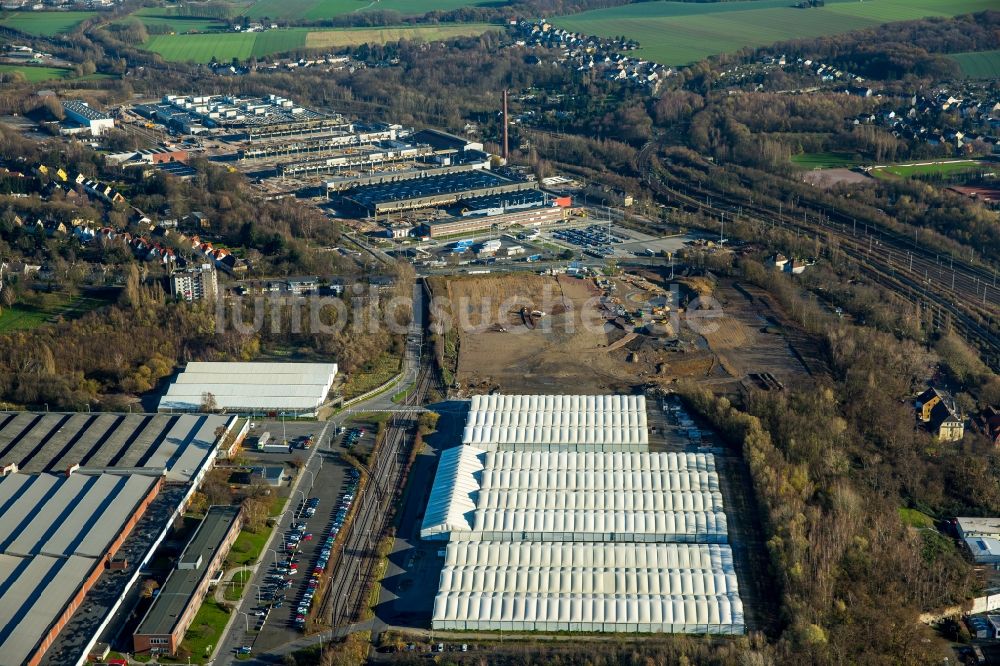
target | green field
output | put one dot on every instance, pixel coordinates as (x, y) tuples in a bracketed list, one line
[(46, 308), (825, 160), (678, 33), (45, 24), (979, 64), (321, 9), (910, 170), (34, 74), (158, 16), (229, 45), (225, 46)]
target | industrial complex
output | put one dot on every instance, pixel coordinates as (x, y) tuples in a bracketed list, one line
[(87, 499), (59, 533), (560, 518)]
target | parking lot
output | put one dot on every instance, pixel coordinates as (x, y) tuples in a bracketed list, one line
[(289, 572)]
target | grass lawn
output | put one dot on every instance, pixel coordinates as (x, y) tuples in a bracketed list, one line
[(34, 73), (910, 170), (234, 590), (979, 64), (278, 504), (45, 308), (205, 631), (825, 160), (914, 518), (321, 9), (372, 375), (678, 33), (247, 548), (45, 24)]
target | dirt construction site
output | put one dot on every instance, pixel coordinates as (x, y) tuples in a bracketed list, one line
[(522, 333)]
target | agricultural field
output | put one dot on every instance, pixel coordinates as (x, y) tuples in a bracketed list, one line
[(979, 65), (44, 24), (224, 46), (926, 169), (229, 45), (159, 16), (321, 9), (329, 39), (35, 74), (678, 33)]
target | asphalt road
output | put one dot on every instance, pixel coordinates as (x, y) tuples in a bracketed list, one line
[(235, 634), (352, 568)]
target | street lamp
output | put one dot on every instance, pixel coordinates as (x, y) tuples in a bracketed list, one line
[(246, 617)]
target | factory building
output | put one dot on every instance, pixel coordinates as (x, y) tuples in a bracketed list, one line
[(83, 481), (429, 191), (560, 518), (87, 117), (604, 587), (59, 534), (165, 623), (297, 389), (557, 422), (575, 496), (528, 217)]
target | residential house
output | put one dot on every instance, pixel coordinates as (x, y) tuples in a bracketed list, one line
[(938, 411)]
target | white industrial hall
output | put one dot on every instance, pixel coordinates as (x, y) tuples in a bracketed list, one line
[(575, 496), (560, 518), (557, 422), (603, 587), (298, 389)]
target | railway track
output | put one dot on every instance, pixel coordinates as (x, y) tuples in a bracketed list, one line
[(357, 565), (964, 294)]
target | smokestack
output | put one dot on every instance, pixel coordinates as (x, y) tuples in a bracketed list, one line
[(506, 149)]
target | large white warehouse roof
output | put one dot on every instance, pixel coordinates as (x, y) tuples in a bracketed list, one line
[(575, 496), (526, 422), (252, 387), (616, 587)]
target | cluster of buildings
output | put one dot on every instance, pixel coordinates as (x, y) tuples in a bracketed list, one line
[(966, 120), (253, 117), (589, 53), (559, 517), (57, 5), (87, 500)]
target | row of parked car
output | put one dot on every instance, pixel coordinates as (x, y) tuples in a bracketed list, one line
[(594, 236), (323, 558), (352, 436)]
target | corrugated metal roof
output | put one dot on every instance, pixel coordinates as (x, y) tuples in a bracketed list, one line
[(35, 590), (251, 386)]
